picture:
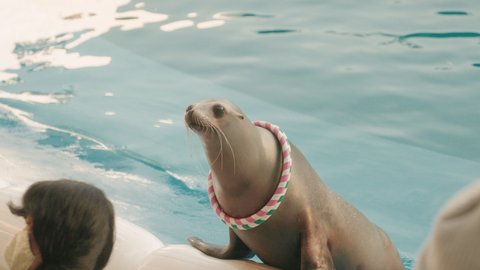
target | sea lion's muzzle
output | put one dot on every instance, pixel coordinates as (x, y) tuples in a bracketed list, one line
[(189, 118), (194, 120)]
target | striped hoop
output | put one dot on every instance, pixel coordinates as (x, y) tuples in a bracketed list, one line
[(267, 211)]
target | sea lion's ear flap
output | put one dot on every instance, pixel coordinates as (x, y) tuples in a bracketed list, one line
[(241, 116)]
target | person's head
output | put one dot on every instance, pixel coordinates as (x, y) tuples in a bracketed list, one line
[(455, 240), (71, 223)]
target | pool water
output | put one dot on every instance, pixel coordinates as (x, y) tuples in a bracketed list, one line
[(381, 96)]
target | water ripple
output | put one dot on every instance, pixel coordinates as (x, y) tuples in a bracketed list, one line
[(408, 262), (441, 35), (276, 31), (180, 184), (231, 15), (404, 39), (27, 119), (457, 13)]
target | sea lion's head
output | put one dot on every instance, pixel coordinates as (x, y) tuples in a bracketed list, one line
[(225, 131), (213, 117)]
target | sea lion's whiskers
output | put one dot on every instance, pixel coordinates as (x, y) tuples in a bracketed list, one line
[(231, 149), (220, 151), (193, 154), (198, 121), (212, 128)]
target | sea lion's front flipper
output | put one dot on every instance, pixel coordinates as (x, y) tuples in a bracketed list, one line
[(315, 247), (235, 249), (316, 258)]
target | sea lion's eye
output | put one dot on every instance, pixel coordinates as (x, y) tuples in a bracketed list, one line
[(218, 110)]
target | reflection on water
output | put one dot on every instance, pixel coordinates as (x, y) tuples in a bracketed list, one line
[(34, 98), (210, 24), (45, 34), (173, 26)]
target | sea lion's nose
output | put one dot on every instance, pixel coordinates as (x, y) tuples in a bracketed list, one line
[(189, 108), (189, 114)]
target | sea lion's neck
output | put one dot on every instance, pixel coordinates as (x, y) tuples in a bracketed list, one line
[(250, 176)]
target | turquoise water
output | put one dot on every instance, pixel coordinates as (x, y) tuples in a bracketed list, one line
[(381, 96)]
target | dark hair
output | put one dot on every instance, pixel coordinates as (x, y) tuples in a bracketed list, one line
[(73, 224)]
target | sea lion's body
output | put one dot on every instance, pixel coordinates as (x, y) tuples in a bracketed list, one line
[(313, 228)]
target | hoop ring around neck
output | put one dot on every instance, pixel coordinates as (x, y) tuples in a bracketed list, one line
[(272, 205)]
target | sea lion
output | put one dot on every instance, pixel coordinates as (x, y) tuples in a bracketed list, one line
[(311, 228)]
